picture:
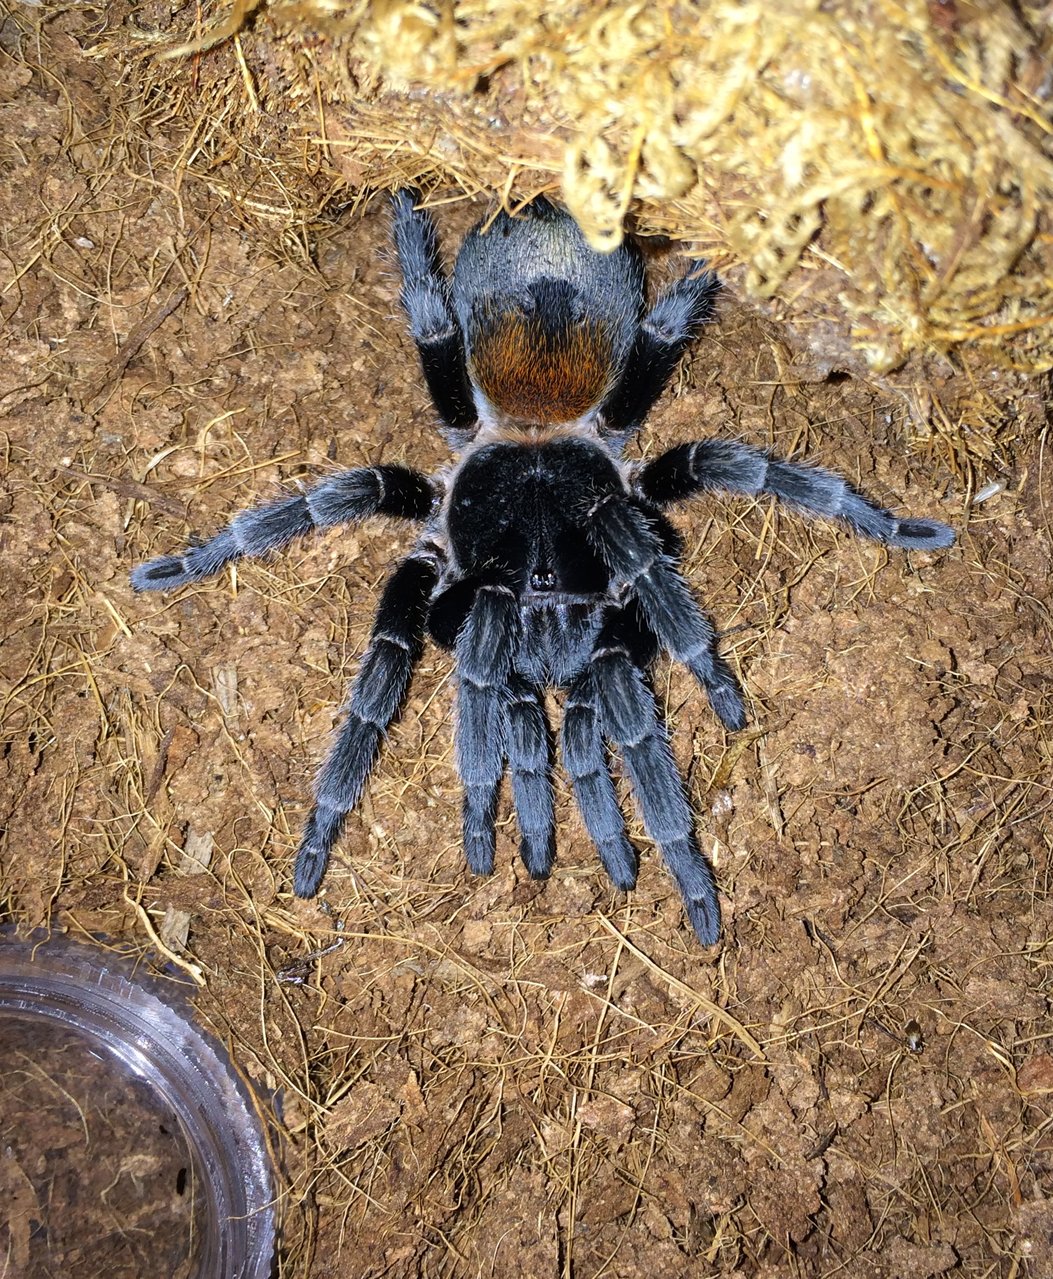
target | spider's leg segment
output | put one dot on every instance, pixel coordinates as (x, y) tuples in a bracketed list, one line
[(529, 746), (486, 649), (623, 535), (729, 466), (585, 760), (628, 716), (376, 697), (426, 297), (337, 499), (664, 334)]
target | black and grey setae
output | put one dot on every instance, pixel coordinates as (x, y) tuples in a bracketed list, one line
[(544, 557)]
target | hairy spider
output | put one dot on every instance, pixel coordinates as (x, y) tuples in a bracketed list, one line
[(544, 559)]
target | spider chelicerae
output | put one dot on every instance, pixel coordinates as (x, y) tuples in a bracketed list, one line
[(544, 558)]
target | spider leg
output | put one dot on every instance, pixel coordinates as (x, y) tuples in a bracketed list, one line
[(629, 717), (426, 298), (337, 499), (706, 466), (376, 696), (663, 336), (486, 648), (621, 532), (585, 760), (529, 747)]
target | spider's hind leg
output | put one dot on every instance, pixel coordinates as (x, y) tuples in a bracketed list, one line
[(426, 298), (664, 335), (376, 698)]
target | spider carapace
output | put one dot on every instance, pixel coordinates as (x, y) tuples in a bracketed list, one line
[(543, 557)]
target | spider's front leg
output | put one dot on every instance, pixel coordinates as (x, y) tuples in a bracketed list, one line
[(337, 499), (627, 715), (500, 716), (486, 648), (529, 747), (706, 466), (585, 759), (376, 697), (622, 533)]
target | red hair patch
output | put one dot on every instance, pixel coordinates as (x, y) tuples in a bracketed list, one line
[(535, 374)]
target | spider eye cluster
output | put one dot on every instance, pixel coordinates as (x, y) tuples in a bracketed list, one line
[(517, 510)]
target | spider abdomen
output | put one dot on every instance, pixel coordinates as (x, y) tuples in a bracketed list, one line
[(545, 361), (547, 322)]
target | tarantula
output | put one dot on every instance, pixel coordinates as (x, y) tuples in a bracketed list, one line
[(544, 557)]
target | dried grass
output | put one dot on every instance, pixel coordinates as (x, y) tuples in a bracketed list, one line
[(884, 169), (483, 1074)]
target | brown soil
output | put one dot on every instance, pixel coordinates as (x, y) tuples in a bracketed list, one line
[(491, 1076)]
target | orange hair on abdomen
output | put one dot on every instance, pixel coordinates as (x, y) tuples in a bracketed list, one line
[(539, 374)]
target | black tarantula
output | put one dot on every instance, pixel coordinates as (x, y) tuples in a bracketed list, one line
[(544, 557)]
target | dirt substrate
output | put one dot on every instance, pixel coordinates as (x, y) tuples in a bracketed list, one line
[(493, 1076)]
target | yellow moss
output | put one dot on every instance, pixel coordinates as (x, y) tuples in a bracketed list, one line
[(897, 153)]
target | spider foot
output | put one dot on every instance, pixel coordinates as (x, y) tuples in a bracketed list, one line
[(722, 689), (316, 844), (160, 574), (480, 838), (538, 852), (170, 571), (922, 535), (698, 888)]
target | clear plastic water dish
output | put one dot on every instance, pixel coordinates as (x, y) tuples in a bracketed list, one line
[(128, 1145)]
